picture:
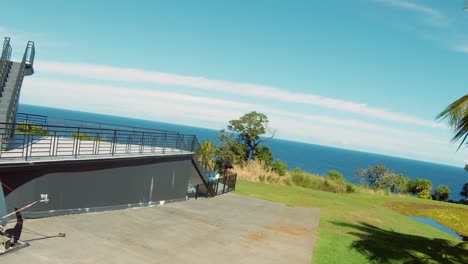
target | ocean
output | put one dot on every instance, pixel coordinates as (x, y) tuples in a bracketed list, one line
[(309, 157)]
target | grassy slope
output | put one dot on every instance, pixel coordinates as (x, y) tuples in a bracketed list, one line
[(357, 228)]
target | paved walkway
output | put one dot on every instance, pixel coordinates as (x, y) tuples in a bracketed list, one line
[(225, 229)]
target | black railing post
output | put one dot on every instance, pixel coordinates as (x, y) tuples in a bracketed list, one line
[(193, 143), (76, 142), (114, 139), (55, 144), (164, 142), (142, 142)]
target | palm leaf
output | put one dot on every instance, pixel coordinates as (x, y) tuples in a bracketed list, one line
[(457, 118)]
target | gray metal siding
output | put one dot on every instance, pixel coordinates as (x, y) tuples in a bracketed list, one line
[(75, 188)]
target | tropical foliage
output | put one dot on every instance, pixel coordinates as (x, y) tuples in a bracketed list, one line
[(30, 129), (456, 115), (442, 192), (248, 129)]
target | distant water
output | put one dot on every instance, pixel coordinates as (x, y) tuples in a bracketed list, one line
[(429, 221), (311, 158)]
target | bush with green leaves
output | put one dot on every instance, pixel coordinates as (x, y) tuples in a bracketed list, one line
[(394, 183), (264, 155), (442, 192), (85, 136), (279, 167), (350, 188), (30, 129), (335, 176), (415, 186), (425, 194)]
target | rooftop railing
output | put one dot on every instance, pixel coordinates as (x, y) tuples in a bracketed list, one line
[(4, 63), (41, 136), (29, 141)]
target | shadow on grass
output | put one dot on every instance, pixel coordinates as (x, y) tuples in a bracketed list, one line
[(384, 246)]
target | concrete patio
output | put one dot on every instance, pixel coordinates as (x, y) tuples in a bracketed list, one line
[(225, 229)]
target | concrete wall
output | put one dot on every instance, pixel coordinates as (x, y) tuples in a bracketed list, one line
[(94, 185)]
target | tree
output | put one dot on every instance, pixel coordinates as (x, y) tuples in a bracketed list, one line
[(229, 151), (457, 118), (442, 192), (464, 191), (394, 182), (264, 155), (249, 128), (372, 175), (415, 186)]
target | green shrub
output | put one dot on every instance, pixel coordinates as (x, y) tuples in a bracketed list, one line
[(264, 155), (333, 186), (85, 136), (261, 178), (335, 176), (415, 186), (425, 194), (279, 167), (350, 188), (30, 129), (442, 192), (300, 179)]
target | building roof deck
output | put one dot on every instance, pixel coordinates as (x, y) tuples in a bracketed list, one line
[(48, 148)]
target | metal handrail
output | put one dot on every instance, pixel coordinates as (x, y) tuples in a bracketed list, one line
[(28, 55), (4, 63), (26, 140), (207, 168), (40, 120)]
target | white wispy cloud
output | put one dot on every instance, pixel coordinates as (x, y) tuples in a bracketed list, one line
[(206, 111), (101, 72), (461, 48), (40, 90), (430, 15)]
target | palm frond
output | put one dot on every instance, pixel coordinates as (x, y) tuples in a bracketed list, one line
[(456, 115)]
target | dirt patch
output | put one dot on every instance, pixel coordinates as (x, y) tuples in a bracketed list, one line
[(255, 236), (290, 230), (271, 231)]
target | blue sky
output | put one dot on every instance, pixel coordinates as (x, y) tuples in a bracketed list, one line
[(368, 75)]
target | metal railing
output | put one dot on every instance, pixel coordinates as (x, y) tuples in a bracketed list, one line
[(26, 141), (38, 120), (220, 185), (5, 64), (42, 119), (207, 166), (41, 136), (28, 57)]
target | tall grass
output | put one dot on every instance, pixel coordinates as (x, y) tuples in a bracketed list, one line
[(254, 171)]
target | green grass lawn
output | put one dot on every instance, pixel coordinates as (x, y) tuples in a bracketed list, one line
[(362, 228)]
